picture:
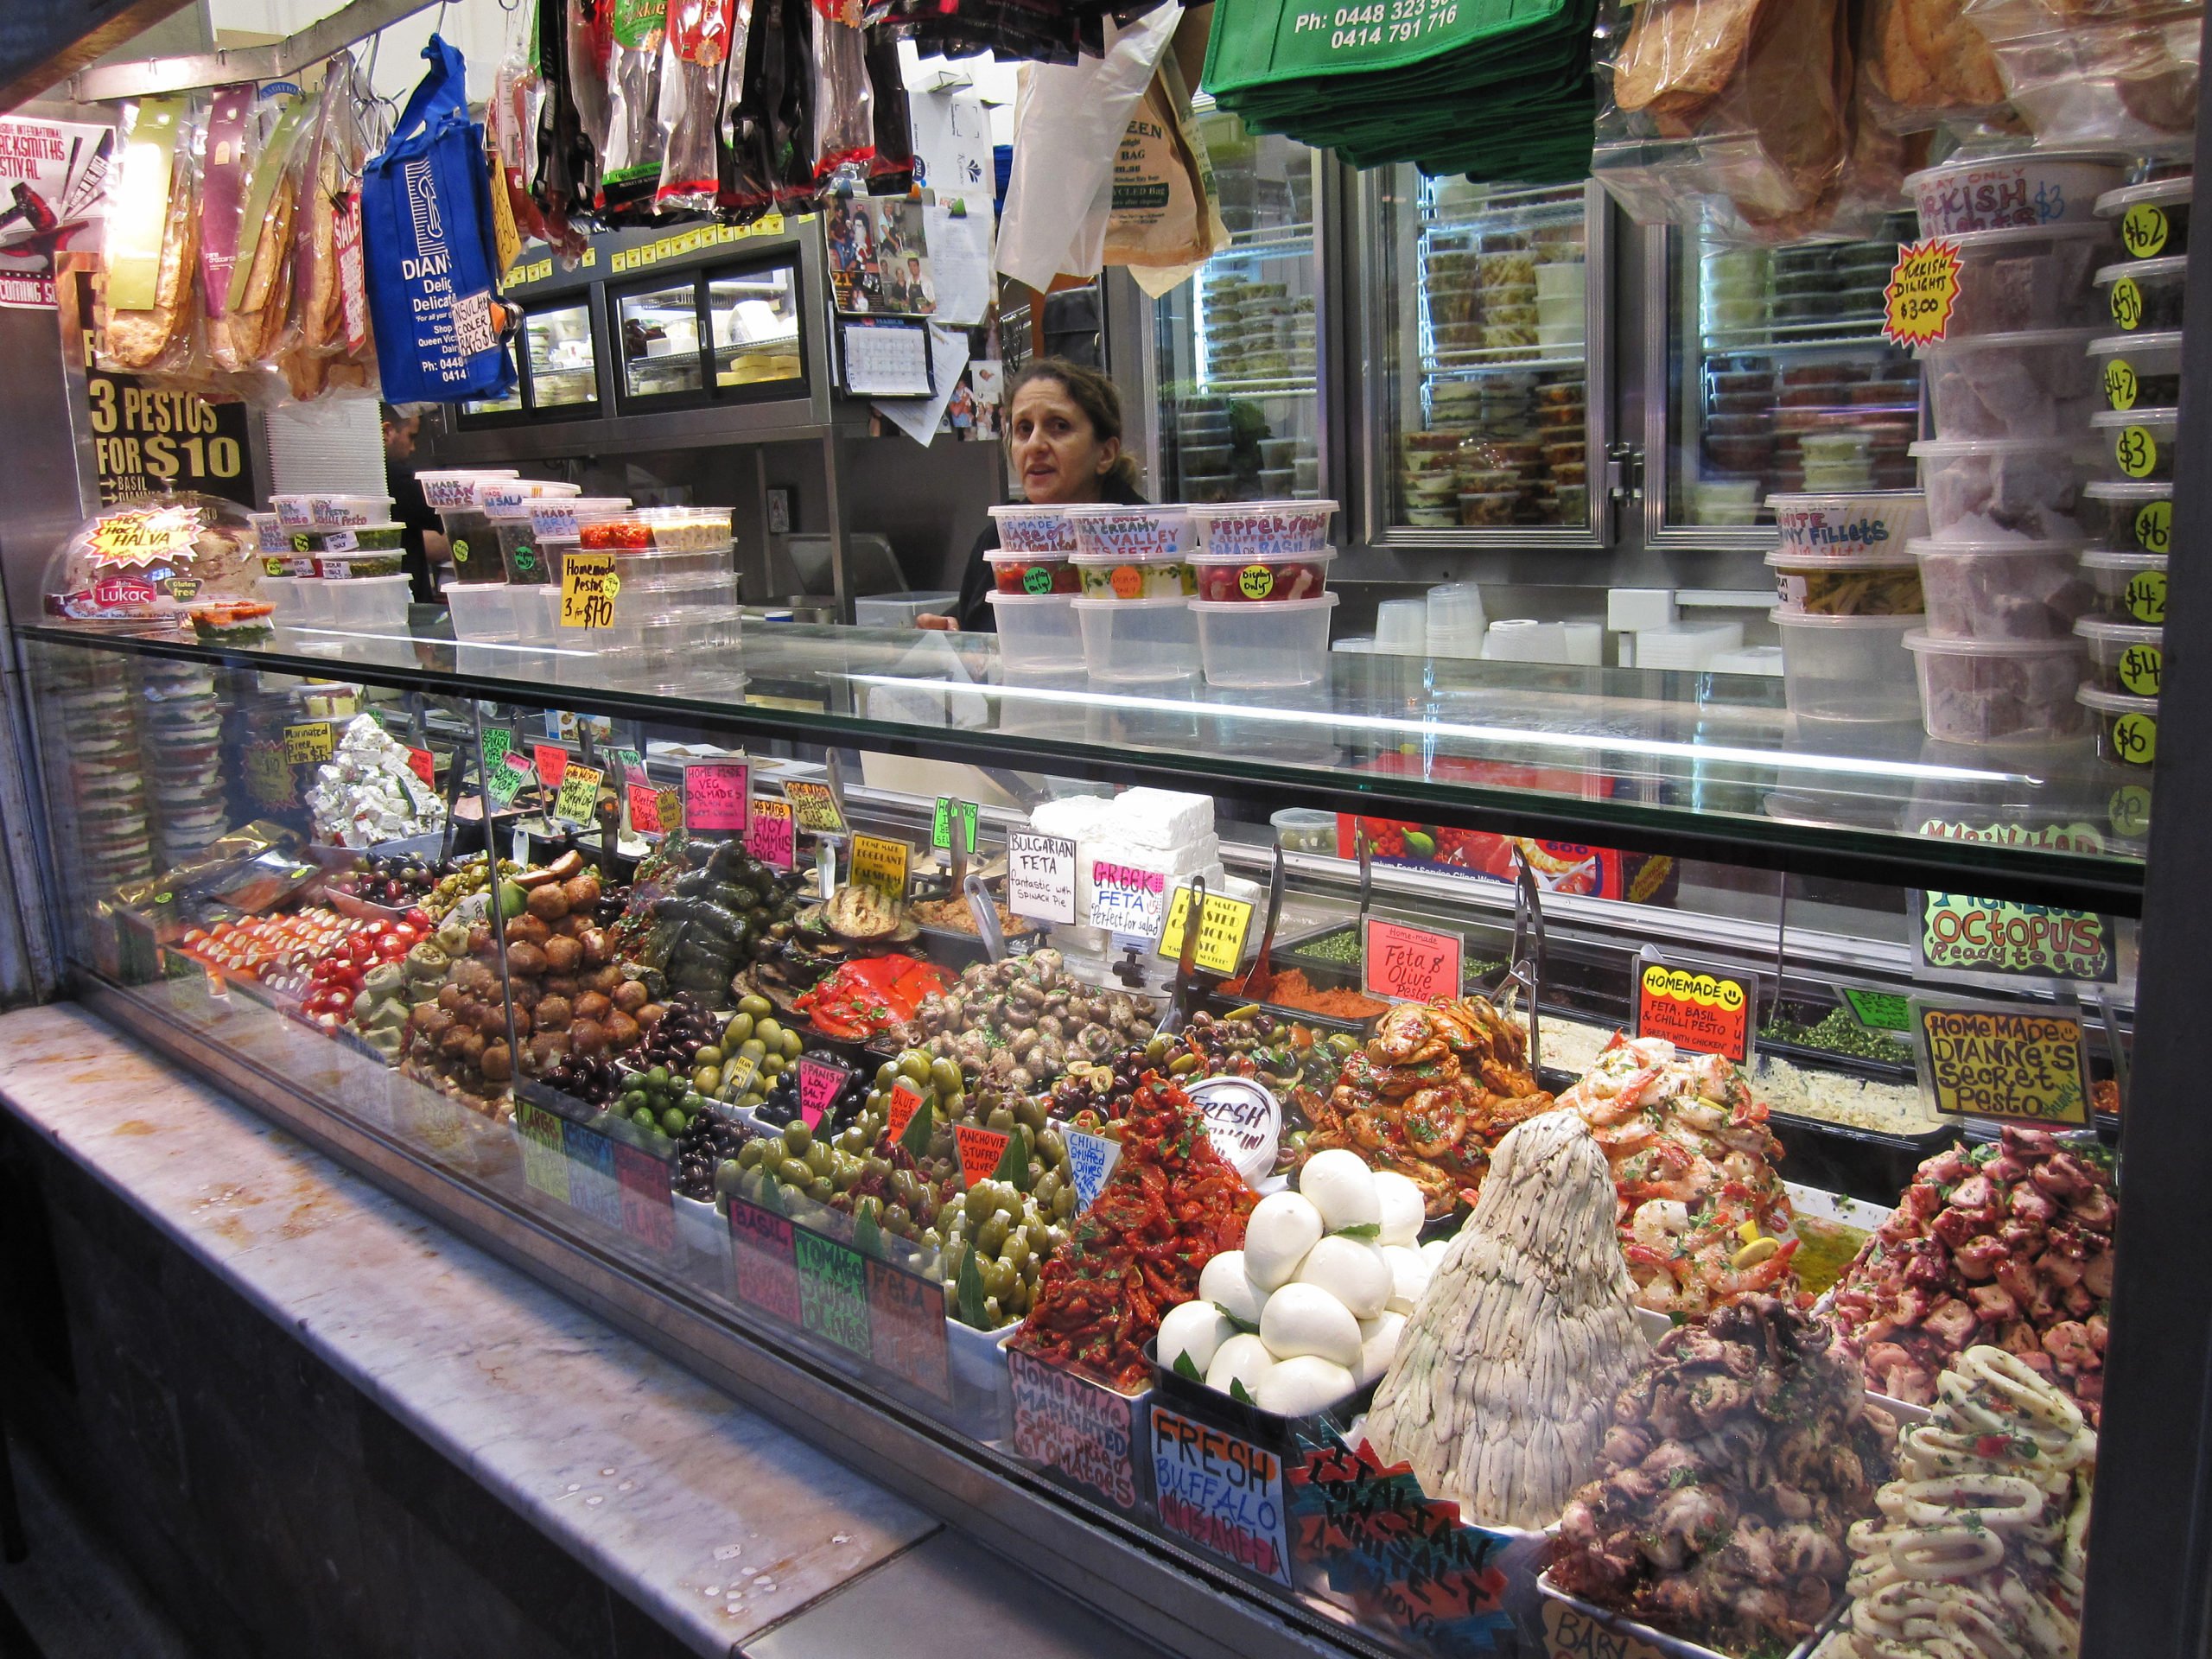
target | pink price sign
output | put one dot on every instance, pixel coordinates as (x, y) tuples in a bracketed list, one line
[(819, 1085), (1411, 963), (645, 808), (552, 763), (715, 793), (771, 838), (424, 765)]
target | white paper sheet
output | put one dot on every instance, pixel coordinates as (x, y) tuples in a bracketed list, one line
[(960, 258), (885, 361)]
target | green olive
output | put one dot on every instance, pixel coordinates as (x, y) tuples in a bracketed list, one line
[(707, 1079), (793, 1172), (991, 1237), (738, 1030), (1063, 1204), (798, 1137), (897, 1218), (1183, 1064), (1156, 1050), (1001, 1119), (755, 1006), (914, 1067), (751, 1049), (1015, 1249), (772, 1065), (979, 1203), (885, 1075), (707, 1055), (748, 1155), (819, 1189), (870, 1207)]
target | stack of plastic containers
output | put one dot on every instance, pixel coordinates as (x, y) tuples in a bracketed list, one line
[(2129, 510), (1263, 602), (677, 606), (2011, 394), (1848, 593), (507, 505), (1134, 610), (1033, 587), (345, 561), (557, 520), (456, 496)]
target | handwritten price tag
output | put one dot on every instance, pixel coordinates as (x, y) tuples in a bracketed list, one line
[(1041, 876), (715, 794), (814, 807), (588, 586), (950, 811), (980, 1151), (504, 771), (579, 798), (550, 762), (1922, 291), (308, 743), (1985, 1060), (424, 765), (819, 1085), (1411, 963), (1704, 1012), (645, 809), (770, 838), (1221, 933), (1879, 1010), (905, 1101), (879, 862)]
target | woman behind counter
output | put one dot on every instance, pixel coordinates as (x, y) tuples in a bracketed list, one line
[(1064, 444)]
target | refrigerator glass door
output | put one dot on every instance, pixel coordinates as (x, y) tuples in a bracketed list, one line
[(753, 319), (563, 372), (1482, 344), (1236, 348), (1779, 379), (661, 341)]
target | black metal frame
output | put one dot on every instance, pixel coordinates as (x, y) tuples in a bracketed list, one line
[(470, 421)]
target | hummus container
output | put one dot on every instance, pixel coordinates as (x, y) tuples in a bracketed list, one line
[(1037, 630), (1998, 691), (2010, 281), (2037, 385), (561, 516), (2138, 371), (1258, 646), (2127, 727), (2153, 218), (1111, 579), (2002, 589), (1978, 487), (1845, 584), (1034, 573), (1286, 578), (1850, 668), (2139, 443), (2144, 296), (2127, 586), (2128, 517), (1263, 529), (1117, 533), (1140, 639), (1026, 529), (2124, 657), (1853, 522), (2008, 191), (457, 486)]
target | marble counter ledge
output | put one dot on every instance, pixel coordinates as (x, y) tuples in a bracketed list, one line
[(663, 1486)]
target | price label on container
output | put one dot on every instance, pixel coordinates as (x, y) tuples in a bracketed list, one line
[(1879, 1010), (1410, 963), (833, 1292), (2154, 533), (2129, 808), (308, 743), (2122, 384), (1695, 1009), (770, 838), (814, 807), (879, 862), (645, 809), (1041, 876), (550, 762), (1922, 289), (715, 796), (1984, 1060), (2127, 303), (950, 811), (2143, 230), (578, 800), (1222, 929), (1088, 1433), (588, 587)]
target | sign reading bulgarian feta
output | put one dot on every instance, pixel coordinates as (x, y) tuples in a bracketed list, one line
[(1959, 937), (1988, 1060)]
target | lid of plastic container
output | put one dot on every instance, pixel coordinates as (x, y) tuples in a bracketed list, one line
[(1804, 558), (1043, 555), (1808, 619), (1827, 498), (2119, 633), (1109, 509), (1753, 659), (1996, 242), (1320, 602), (2111, 420), (1967, 163), (1018, 601), (1970, 548), (363, 584), (345, 529), (1319, 556), (1961, 345), (2137, 345), (2114, 702), (2094, 558), (1111, 561), (1029, 510), (2066, 647), (1090, 602), (1947, 448), (1299, 508), (2128, 489), (2175, 265), (2179, 187)]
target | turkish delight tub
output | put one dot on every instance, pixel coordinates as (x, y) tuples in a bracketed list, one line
[(1977, 488), (2040, 383), (2002, 589), (2010, 281), (1992, 193), (1989, 692)]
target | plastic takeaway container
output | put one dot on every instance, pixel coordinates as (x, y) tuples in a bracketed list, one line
[(1864, 521), (1026, 529), (1137, 639), (1285, 643), (2036, 384), (1846, 668), (1037, 632), (1104, 531), (1259, 530), (1994, 192), (1978, 488), (482, 611), (367, 602), (2002, 589), (1989, 692)]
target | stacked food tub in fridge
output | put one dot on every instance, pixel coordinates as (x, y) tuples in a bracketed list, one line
[(1848, 593), (676, 612), (1263, 605)]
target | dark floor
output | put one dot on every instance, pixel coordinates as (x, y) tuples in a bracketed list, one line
[(72, 1597)]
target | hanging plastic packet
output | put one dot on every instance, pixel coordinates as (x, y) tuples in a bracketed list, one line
[(588, 47), (224, 162), (328, 350), (891, 172), (844, 107), (745, 186), (561, 179), (630, 163), (511, 130), (790, 129), (143, 315), (696, 62), (248, 328)]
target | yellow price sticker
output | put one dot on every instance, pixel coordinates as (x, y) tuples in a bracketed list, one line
[(2127, 303), (2154, 527), (879, 862), (588, 586), (2143, 228), (2136, 451), (2141, 668), (1256, 580), (2135, 739), (578, 794), (2146, 596), (2130, 810), (307, 744), (2121, 385), (1221, 929), (1922, 289)]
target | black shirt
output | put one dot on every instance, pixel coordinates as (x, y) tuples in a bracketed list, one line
[(974, 614), (415, 516)]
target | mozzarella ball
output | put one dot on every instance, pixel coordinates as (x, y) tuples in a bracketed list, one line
[(1195, 1331), (1342, 1188), (1404, 1208), (1409, 1273), (1243, 1358), (1224, 1282), (1306, 1319), (1378, 1345), (1433, 1252), (1299, 1387), (1351, 1270), (1281, 1229)]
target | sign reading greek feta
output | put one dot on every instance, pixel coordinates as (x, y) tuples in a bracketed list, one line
[(1985, 1059), (1079, 1430), (879, 862), (950, 811), (1410, 963), (815, 806), (1970, 938), (1091, 1159), (715, 796), (1221, 1493), (1243, 1121), (308, 743), (770, 838), (579, 796), (1041, 876), (588, 587), (1695, 1009), (1222, 929)]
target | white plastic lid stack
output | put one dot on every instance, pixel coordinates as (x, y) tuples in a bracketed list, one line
[(1456, 621), (1402, 627), (1524, 639), (1692, 648), (1634, 610)]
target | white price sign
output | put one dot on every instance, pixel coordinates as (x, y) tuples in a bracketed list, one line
[(1041, 876)]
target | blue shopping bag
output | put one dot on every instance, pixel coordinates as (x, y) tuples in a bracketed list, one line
[(426, 232)]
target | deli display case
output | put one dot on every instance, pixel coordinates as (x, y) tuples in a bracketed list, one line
[(556, 368), (710, 335)]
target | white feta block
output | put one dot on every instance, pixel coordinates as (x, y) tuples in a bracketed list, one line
[(1162, 817)]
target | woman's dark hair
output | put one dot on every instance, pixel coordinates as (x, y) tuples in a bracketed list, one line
[(1091, 392)]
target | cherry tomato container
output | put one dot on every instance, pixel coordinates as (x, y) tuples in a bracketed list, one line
[(1033, 572), (1277, 579)]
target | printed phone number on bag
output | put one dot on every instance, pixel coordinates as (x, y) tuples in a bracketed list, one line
[(1391, 23)]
